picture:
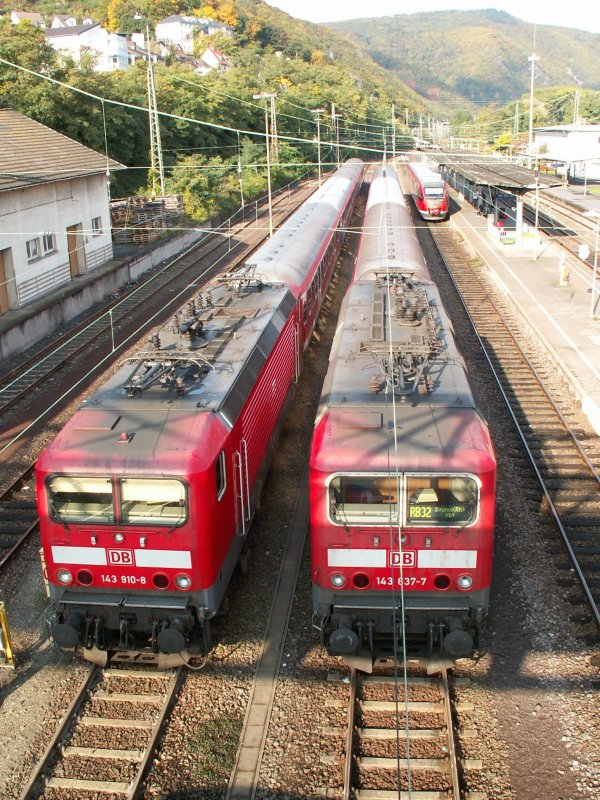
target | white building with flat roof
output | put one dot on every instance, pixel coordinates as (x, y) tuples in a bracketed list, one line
[(578, 146), (109, 50), (180, 30)]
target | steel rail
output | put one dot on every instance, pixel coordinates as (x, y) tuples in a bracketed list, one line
[(530, 456)]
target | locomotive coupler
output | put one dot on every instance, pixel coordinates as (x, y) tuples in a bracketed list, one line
[(441, 633), (371, 629), (153, 638), (430, 638), (99, 634), (125, 638), (88, 636)]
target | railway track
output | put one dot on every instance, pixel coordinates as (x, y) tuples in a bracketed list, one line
[(18, 515), (106, 330), (401, 737), (564, 223), (559, 454), (105, 741), (93, 339)]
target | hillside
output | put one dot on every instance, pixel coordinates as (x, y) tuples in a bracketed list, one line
[(478, 56)]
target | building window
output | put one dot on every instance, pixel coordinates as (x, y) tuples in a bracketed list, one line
[(33, 249), (48, 243), (97, 226)]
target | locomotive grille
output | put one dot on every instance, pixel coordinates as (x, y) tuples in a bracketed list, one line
[(377, 316)]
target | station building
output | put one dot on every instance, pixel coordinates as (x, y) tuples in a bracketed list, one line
[(54, 210)]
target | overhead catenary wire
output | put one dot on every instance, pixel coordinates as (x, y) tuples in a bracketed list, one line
[(169, 115)]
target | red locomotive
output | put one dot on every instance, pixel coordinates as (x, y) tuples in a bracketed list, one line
[(146, 495), (402, 472), (429, 191)]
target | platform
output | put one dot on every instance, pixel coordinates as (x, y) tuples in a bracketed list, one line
[(556, 307)]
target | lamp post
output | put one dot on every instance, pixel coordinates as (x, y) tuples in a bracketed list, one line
[(318, 112), (267, 96), (593, 214)]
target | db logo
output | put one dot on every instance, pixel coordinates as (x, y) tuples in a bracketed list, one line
[(406, 558), (121, 557)]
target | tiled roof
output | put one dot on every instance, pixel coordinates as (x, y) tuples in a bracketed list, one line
[(70, 30), (32, 16), (33, 154)]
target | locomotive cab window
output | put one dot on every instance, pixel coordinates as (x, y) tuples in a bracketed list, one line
[(152, 501), (363, 499), (434, 191), (80, 499), (441, 501)]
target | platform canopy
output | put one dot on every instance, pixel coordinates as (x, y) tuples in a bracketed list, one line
[(489, 171)]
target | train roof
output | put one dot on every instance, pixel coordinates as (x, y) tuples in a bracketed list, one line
[(424, 172), (489, 171), (205, 359), (276, 260), (171, 404), (401, 366), (387, 241)]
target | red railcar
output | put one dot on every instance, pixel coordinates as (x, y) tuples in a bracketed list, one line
[(429, 191), (146, 495), (402, 471)]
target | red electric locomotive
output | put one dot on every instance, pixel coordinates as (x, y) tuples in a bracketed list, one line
[(146, 495), (429, 191), (402, 472)]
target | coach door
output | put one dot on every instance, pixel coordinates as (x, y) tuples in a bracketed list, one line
[(3, 286), (242, 488), (76, 251)]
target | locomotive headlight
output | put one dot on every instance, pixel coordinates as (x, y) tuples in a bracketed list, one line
[(64, 576), (183, 581), (119, 537), (465, 582), (337, 580)]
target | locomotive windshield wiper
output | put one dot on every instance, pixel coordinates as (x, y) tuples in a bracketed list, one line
[(58, 516)]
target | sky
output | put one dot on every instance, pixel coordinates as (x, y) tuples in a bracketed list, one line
[(581, 14)]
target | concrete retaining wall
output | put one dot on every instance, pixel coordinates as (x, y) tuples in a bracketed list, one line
[(25, 327)]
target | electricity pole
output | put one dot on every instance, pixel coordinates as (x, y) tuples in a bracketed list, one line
[(533, 58), (267, 96), (318, 112)]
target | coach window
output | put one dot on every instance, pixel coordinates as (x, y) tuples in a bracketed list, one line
[(81, 499), (221, 475), (441, 500), (152, 501), (363, 500)]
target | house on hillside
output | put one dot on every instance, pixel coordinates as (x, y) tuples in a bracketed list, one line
[(26, 16), (69, 21), (63, 21), (109, 50), (54, 207), (181, 31), (212, 59), (577, 146)]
